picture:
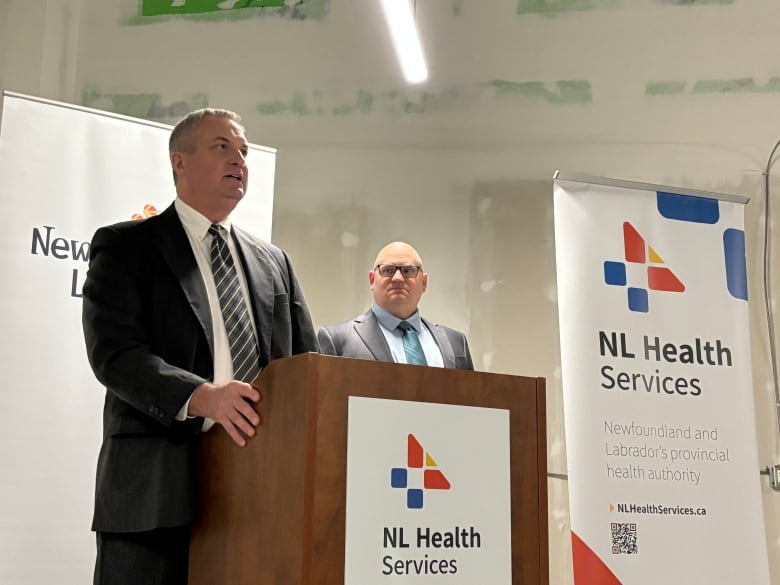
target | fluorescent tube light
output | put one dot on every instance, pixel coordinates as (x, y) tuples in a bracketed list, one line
[(400, 21)]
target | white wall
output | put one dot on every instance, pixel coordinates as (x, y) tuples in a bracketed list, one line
[(673, 92)]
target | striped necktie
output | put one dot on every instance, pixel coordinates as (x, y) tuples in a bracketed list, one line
[(412, 347), (243, 347)]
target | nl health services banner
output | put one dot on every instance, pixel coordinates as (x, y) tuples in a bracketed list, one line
[(65, 171), (656, 371)]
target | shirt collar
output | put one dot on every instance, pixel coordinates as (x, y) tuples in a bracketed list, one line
[(195, 222), (390, 322)]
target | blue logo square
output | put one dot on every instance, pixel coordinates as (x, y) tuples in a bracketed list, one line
[(398, 477), (615, 273), (637, 300), (414, 499)]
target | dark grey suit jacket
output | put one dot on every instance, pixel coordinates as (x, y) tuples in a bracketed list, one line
[(149, 339), (362, 338)]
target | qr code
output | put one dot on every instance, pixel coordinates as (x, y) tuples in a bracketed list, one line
[(623, 539)]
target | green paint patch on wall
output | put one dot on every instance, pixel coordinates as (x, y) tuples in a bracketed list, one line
[(568, 91), (552, 7), (158, 7), (394, 102), (694, 2), (363, 102), (315, 104), (665, 88), (429, 102), (148, 106), (228, 10), (716, 86), (744, 85)]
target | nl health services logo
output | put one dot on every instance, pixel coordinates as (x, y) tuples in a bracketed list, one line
[(420, 474), (636, 250)]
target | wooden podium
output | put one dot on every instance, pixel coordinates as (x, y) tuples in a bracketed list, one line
[(273, 512)]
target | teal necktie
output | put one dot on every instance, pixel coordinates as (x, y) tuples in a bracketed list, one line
[(412, 348)]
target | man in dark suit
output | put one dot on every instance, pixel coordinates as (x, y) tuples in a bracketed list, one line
[(159, 337), (392, 329)]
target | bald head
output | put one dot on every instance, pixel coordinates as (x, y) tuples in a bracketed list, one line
[(396, 249), (398, 294)]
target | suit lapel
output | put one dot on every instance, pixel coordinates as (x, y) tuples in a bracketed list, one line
[(175, 248), (447, 353), (367, 328), (261, 290)]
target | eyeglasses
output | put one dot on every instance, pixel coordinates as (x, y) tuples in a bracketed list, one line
[(388, 270)]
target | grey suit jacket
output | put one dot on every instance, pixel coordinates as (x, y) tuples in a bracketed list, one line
[(362, 338), (149, 340)]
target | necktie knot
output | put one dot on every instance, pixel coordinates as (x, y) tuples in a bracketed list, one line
[(216, 230), (405, 326)]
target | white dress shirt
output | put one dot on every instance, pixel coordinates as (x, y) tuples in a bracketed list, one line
[(197, 228)]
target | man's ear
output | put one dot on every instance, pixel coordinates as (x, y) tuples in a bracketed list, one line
[(425, 281), (177, 162)]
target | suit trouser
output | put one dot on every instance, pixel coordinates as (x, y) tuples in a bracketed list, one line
[(156, 557)]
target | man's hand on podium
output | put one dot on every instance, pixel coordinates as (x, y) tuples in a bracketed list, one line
[(230, 405)]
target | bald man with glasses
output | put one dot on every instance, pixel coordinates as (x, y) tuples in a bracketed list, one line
[(392, 330)]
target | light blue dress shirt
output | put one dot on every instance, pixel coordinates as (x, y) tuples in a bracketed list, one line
[(388, 324)]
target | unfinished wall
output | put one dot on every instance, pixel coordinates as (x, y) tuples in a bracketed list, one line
[(676, 92)]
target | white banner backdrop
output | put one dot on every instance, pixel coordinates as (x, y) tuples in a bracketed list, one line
[(655, 354), (64, 171)]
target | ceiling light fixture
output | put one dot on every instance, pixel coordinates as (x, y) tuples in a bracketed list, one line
[(400, 21)]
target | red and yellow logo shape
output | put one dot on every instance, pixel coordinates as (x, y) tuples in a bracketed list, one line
[(149, 211)]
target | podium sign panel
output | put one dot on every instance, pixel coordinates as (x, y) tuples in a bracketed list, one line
[(428, 493)]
